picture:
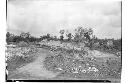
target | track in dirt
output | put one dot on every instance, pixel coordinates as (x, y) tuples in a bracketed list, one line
[(36, 69)]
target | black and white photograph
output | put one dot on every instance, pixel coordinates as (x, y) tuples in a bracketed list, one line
[(63, 40)]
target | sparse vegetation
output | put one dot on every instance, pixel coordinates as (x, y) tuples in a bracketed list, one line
[(74, 56)]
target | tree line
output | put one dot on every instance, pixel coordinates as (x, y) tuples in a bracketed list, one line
[(82, 35)]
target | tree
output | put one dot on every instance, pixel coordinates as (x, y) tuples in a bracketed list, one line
[(83, 33), (69, 35), (48, 36), (7, 37), (28, 35), (61, 38), (25, 35), (43, 37), (61, 32), (88, 34), (55, 37)]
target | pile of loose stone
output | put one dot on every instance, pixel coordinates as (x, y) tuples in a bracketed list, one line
[(80, 67), (70, 65)]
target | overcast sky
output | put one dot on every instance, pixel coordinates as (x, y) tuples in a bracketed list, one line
[(41, 17)]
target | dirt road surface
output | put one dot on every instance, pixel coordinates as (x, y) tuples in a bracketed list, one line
[(36, 68)]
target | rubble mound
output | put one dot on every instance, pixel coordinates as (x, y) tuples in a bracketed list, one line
[(80, 66)]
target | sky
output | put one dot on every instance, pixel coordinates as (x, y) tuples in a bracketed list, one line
[(40, 17)]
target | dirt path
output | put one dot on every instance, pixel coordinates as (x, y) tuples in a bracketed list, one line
[(36, 68)]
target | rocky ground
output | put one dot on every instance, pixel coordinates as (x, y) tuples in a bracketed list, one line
[(50, 62)]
